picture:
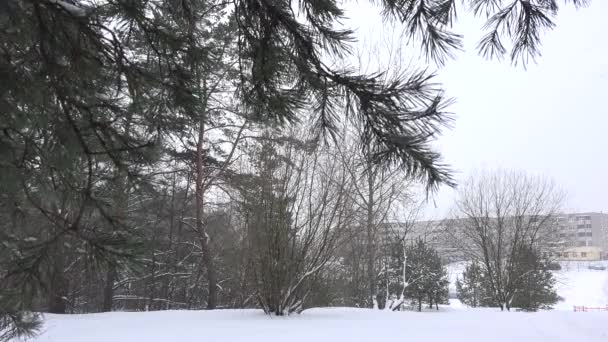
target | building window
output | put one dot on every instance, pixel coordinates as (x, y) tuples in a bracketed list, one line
[(589, 234), (583, 254)]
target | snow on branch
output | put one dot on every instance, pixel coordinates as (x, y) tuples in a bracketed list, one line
[(73, 10)]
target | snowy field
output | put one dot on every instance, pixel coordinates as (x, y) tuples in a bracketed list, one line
[(581, 286), (319, 325), (454, 323)]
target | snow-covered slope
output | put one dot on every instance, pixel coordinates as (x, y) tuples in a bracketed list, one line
[(331, 325)]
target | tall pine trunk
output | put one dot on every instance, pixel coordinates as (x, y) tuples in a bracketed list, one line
[(200, 227), (371, 272), (121, 201), (57, 287), (108, 289)]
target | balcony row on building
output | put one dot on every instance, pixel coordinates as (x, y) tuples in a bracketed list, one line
[(577, 236)]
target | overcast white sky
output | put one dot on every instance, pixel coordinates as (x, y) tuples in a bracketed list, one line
[(551, 118)]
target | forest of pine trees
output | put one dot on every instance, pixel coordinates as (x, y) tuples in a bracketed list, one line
[(191, 154)]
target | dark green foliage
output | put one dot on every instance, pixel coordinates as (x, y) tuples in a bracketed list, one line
[(441, 295), (438, 292), (16, 320), (472, 287), (18, 324), (426, 275), (390, 278), (69, 123), (536, 286), (524, 20)]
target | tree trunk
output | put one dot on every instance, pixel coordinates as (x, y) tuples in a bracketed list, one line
[(371, 272), (200, 227), (57, 291), (419, 304), (167, 280), (108, 290), (121, 200)]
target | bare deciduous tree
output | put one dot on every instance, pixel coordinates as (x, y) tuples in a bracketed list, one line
[(295, 208), (498, 216)]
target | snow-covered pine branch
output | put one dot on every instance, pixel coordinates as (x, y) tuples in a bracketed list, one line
[(72, 9)]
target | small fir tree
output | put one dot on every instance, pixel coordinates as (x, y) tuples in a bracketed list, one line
[(537, 286), (429, 281), (471, 288)]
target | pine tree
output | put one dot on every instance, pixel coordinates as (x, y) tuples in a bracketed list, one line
[(535, 287), (428, 276), (537, 284), (471, 288), (438, 292), (391, 275)]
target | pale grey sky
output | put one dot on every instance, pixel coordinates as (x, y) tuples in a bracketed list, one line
[(551, 118)]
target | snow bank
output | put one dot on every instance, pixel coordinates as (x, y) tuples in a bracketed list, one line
[(319, 325)]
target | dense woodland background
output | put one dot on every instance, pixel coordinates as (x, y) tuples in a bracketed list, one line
[(190, 154)]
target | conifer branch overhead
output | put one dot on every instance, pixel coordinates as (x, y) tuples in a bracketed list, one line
[(284, 68)]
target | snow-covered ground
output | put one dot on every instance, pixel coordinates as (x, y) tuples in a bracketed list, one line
[(331, 325), (580, 286), (454, 323)]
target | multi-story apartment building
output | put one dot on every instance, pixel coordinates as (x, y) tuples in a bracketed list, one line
[(584, 229), (566, 231), (433, 232)]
